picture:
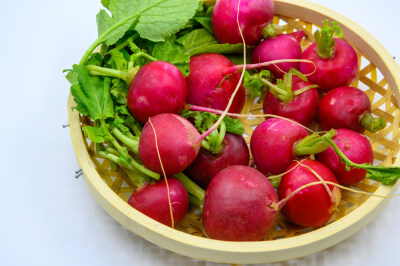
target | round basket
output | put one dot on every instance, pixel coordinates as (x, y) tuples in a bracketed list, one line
[(378, 76)]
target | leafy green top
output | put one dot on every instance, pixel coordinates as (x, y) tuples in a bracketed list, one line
[(324, 38)]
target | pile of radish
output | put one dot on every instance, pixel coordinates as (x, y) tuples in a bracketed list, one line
[(155, 100)]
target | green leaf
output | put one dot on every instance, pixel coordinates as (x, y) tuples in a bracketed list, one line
[(91, 93), (119, 59), (119, 91), (155, 19), (97, 134), (233, 125), (173, 53), (206, 22), (253, 83), (201, 41)]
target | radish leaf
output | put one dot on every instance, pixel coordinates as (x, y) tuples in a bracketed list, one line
[(201, 41), (91, 93)]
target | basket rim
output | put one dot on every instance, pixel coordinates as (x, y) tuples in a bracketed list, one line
[(250, 252)]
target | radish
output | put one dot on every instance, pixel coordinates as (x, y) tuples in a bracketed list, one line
[(348, 107), (313, 205), (207, 165), (356, 147), (277, 142), (253, 17), (158, 87), (300, 101), (336, 61), (153, 200), (237, 205), (211, 82), (283, 46), (176, 144)]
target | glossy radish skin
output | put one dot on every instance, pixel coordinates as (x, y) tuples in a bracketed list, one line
[(211, 82), (158, 87), (272, 144), (312, 206), (237, 205), (254, 15), (207, 165), (175, 139), (336, 71), (283, 46), (356, 147), (343, 107), (152, 200), (302, 108)]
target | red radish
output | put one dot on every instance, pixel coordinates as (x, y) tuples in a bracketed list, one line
[(272, 144), (207, 165), (211, 82), (348, 107), (335, 60), (301, 108), (158, 87), (237, 205), (356, 147), (152, 200), (283, 46), (254, 15), (312, 206), (176, 143)]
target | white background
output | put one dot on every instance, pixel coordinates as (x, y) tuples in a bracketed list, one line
[(50, 218)]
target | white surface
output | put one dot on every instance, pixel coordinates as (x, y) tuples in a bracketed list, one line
[(50, 218)]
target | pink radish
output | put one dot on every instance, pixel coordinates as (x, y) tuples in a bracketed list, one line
[(211, 82), (237, 205), (254, 15), (283, 46), (301, 108), (153, 201), (356, 147), (276, 143), (312, 206), (348, 107), (207, 165), (335, 60), (158, 87)]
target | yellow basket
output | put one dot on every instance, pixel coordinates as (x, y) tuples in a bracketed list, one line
[(378, 76)]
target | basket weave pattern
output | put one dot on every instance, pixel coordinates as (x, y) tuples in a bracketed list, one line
[(384, 143)]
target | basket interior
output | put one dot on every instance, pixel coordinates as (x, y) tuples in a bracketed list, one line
[(385, 143)]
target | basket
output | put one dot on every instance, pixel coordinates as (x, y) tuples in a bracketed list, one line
[(378, 76)]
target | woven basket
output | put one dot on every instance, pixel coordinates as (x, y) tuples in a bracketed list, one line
[(378, 76)]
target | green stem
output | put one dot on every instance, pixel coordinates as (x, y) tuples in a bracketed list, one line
[(271, 30), (372, 124), (221, 135), (103, 71), (139, 54), (313, 143), (103, 36), (125, 154), (275, 90), (126, 43), (205, 144), (196, 201), (191, 187), (132, 144), (309, 87)]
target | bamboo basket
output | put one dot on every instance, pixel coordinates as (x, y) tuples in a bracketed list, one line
[(378, 76)]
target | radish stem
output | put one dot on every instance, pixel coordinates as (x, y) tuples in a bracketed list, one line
[(372, 124)]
